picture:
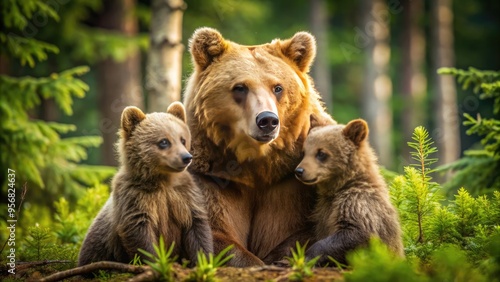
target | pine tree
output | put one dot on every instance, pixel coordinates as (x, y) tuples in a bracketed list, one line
[(35, 149), (478, 170)]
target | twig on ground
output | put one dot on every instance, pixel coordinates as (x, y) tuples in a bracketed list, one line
[(89, 268)]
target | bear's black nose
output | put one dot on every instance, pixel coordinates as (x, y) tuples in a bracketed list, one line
[(267, 121), (186, 158), (299, 171)]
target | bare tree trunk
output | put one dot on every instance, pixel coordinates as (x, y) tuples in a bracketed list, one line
[(446, 133), (321, 68), (164, 66), (378, 86), (119, 82), (414, 82)]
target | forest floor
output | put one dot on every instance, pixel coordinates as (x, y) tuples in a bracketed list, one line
[(224, 274)]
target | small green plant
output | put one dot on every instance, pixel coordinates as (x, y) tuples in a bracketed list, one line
[(206, 268), (38, 240), (301, 267), (136, 260), (337, 264), (162, 261)]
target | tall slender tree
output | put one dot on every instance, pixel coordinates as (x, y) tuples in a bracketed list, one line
[(321, 68), (413, 79), (119, 81), (164, 66), (378, 86), (447, 118)]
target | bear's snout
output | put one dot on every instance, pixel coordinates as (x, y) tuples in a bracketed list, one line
[(299, 172), (267, 121), (186, 158)]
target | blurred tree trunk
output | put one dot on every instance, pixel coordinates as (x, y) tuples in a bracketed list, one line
[(164, 65), (446, 132), (414, 83), (378, 86), (119, 82), (321, 68)]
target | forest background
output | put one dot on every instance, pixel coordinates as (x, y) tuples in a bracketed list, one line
[(79, 63)]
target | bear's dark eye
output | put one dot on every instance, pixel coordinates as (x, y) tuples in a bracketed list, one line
[(183, 141), (240, 91), (321, 156), (278, 89), (164, 144)]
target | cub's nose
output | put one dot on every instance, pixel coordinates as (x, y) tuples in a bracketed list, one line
[(267, 121), (186, 158), (299, 171)]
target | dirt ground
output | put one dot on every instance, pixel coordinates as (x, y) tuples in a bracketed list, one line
[(224, 274)]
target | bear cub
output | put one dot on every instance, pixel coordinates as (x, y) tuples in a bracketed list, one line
[(353, 200), (152, 194)]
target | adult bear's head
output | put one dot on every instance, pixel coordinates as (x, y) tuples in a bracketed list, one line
[(250, 100)]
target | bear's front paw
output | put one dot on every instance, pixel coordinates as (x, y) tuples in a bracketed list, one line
[(317, 250)]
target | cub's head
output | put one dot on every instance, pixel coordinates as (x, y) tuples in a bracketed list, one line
[(250, 99), (330, 151), (156, 143)]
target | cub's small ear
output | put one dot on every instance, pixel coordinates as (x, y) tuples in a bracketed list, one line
[(301, 49), (131, 117), (177, 109), (321, 119), (205, 45), (356, 131)]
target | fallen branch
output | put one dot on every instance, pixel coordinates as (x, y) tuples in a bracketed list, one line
[(147, 275), (101, 265)]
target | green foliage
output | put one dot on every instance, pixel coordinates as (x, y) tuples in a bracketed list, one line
[(162, 260), (414, 193), (40, 244), (72, 224), (17, 15), (206, 268), (428, 223), (301, 268), (377, 263), (36, 149), (449, 263), (478, 170)]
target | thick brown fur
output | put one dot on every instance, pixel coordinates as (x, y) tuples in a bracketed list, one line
[(353, 199), (256, 203), (153, 195)]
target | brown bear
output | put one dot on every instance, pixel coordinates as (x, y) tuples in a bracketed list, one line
[(353, 199), (152, 194), (248, 110)]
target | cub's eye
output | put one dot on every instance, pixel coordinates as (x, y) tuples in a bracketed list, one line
[(164, 144), (183, 141), (321, 156), (240, 89), (278, 89)]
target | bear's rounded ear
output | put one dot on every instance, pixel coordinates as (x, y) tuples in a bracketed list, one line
[(205, 45), (320, 119), (301, 49), (131, 117), (356, 131), (177, 109)]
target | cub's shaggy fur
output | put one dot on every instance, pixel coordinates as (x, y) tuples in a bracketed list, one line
[(353, 200), (152, 193)]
